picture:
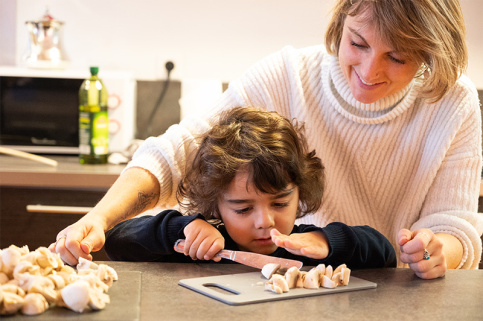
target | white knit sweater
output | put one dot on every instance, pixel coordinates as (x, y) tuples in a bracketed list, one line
[(396, 163)]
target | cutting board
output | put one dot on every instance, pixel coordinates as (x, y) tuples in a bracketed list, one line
[(125, 296), (248, 288)]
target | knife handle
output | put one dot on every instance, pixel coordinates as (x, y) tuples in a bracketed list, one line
[(226, 254)]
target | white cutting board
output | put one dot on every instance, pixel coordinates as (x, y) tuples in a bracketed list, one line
[(248, 288)]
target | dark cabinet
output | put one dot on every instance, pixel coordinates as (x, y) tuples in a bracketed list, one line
[(20, 226)]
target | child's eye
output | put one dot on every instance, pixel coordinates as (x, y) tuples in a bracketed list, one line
[(281, 204), (243, 210)]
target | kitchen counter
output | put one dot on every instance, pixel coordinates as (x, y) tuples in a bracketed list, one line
[(15, 171), (399, 295)]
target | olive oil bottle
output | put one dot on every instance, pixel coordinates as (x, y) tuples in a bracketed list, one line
[(93, 121)]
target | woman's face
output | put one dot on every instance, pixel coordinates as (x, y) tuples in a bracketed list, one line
[(249, 214), (372, 69)]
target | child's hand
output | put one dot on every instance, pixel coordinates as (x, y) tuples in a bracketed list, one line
[(311, 244), (202, 241)]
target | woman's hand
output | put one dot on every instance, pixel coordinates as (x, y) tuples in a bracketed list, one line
[(79, 240), (311, 244), (202, 241), (422, 250)]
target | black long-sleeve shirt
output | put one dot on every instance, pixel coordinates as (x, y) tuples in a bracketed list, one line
[(152, 238)]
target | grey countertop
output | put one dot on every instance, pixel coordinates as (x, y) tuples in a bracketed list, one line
[(69, 173), (156, 295)]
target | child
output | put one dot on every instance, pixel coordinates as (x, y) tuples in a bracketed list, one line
[(251, 178)]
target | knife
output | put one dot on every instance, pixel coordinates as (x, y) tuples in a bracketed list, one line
[(248, 258)]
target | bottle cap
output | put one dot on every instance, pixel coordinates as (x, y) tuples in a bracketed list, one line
[(94, 70)]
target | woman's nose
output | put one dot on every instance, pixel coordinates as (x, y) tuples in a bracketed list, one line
[(264, 219), (371, 68)]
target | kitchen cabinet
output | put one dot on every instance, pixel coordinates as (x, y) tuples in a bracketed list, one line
[(28, 190), (20, 225)]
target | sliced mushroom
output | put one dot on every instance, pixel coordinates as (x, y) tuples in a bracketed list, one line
[(11, 303), (98, 300), (312, 279), (76, 295), (328, 283), (337, 269), (346, 273), (58, 281), (321, 268), (10, 258), (44, 286), (12, 288), (269, 269), (85, 264), (34, 303), (46, 259), (3, 278), (291, 276), (329, 271), (301, 279)]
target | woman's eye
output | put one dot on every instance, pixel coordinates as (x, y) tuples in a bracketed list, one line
[(357, 45), (399, 61)]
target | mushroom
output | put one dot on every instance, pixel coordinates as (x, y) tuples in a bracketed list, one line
[(339, 268), (34, 303), (321, 268), (10, 258), (345, 275), (44, 286), (46, 259), (58, 281), (76, 295), (107, 274), (329, 271), (98, 300), (269, 269), (312, 279), (277, 284), (11, 303), (3, 277), (291, 276), (12, 288), (328, 283), (301, 279), (85, 264)]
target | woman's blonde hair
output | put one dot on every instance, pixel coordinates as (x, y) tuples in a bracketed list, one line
[(431, 32)]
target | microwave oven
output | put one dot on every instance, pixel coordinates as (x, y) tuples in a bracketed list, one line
[(39, 109)]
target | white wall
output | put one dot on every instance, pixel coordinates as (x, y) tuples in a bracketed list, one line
[(204, 38)]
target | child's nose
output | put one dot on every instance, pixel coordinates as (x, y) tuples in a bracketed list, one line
[(264, 219)]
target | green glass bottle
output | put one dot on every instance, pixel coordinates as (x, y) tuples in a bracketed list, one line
[(93, 121)]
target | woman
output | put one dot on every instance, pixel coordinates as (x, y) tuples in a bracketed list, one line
[(395, 122)]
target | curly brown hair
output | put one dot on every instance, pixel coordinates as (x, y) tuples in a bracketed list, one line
[(272, 149)]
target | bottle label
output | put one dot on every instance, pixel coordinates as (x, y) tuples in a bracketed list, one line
[(94, 133)]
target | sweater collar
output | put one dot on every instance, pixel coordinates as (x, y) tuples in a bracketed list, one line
[(383, 110)]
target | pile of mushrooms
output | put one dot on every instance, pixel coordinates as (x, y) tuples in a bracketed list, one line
[(33, 281), (280, 281)]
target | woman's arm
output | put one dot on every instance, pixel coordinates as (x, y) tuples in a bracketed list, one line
[(134, 192)]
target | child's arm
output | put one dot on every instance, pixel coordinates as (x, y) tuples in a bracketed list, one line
[(148, 238), (357, 246)]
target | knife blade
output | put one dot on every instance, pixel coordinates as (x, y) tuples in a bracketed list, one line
[(248, 258)]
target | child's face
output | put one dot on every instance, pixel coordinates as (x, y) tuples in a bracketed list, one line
[(249, 214)]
